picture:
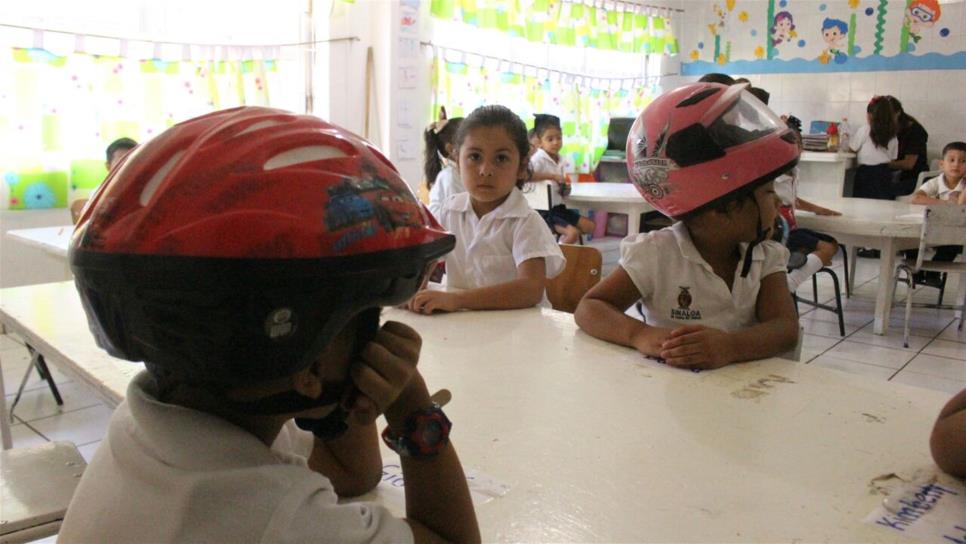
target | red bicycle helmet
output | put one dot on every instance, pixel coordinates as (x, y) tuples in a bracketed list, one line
[(234, 246), (698, 144)]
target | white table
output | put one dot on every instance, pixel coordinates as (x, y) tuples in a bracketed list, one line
[(599, 444), (53, 240), (822, 175), (886, 225), (611, 198)]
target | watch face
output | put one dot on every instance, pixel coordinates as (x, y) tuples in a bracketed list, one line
[(432, 433)]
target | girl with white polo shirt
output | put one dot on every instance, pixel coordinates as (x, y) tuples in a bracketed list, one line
[(504, 252), (713, 285)]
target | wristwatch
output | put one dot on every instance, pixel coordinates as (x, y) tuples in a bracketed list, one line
[(425, 433)]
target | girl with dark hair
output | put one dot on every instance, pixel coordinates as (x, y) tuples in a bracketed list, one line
[(442, 177), (504, 253), (875, 145), (912, 149)]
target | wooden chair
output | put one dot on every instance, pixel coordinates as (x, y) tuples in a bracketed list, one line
[(943, 224), (583, 271), (36, 487)]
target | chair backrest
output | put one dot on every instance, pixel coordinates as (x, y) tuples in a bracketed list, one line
[(923, 176), (583, 271), (539, 194), (943, 224)]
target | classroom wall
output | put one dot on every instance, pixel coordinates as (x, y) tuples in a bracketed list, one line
[(804, 83)]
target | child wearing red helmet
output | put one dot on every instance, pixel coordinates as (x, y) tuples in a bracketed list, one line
[(713, 285), (244, 256)]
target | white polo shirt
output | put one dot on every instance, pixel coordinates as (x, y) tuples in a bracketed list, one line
[(167, 473), (678, 287), (541, 161), (867, 153), (447, 183), (490, 248), (937, 188)]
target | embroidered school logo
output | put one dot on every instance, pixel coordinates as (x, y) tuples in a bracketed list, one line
[(683, 311)]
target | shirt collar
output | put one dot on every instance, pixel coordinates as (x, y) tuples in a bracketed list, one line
[(683, 238), (943, 186), (514, 206)]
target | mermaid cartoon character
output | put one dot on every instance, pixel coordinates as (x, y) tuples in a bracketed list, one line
[(783, 28), (919, 15), (833, 31)]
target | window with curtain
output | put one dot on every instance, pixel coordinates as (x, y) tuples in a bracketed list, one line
[(59, 113)]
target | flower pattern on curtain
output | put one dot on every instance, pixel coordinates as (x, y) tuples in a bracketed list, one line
[(59, 113), (623, 28), (584, 111)]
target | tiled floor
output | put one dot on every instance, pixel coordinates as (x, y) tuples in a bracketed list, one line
[(935, 359)]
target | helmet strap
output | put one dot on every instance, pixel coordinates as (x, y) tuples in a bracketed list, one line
[(759, 238)]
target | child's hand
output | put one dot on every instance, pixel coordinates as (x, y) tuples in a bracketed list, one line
[(428, 301), (649, 340), (955, 196), (697, 347), (384, 369), (825, 211)]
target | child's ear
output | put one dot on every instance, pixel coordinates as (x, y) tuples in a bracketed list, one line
[(448, 149)]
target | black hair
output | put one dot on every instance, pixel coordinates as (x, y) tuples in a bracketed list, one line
[(436, 146), (498, 116), (882, 126), (904, 118), (119, 144), (760, 94), (543, 122), (714, 77), (954, 146)]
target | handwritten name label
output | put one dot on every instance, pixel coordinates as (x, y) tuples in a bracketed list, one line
[(931, 512), (483, 488)]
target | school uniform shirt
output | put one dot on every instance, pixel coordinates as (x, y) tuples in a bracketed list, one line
[(937, 187), (786, 189), (678, 287), (166, 473), (869, 154), (447, 183), (541, 161), (490, 248)]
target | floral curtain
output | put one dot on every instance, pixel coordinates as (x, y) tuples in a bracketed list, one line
[(584, 109), (623, 28), (59, 113)]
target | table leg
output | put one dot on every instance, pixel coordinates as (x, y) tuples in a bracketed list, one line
[(884, 292), (853, 258), (5, 437), (633, 222)]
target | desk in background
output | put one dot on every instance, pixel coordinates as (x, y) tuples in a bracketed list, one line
[(598, 443), (611, 198), (823, 175)]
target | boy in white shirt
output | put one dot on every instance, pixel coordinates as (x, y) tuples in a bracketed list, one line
[(946, 188), (244, 256), (713, 285)]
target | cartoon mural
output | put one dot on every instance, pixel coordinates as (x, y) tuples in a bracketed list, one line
[(833, 32), (919, 15), (783, 29), (816, 36)]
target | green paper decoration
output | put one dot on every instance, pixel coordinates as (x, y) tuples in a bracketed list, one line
[(35, 190)]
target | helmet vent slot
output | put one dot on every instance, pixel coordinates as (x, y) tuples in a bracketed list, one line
[(259, 125), (152, 185), (300, 155)]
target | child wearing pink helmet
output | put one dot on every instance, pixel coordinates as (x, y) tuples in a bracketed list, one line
[(713, 285)]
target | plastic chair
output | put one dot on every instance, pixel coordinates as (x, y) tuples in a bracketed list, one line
[(36, 488), (539, 194), (583, 271), (923, 176), (942, 225)]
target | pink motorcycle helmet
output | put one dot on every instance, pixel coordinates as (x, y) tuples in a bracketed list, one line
[(696, 145)]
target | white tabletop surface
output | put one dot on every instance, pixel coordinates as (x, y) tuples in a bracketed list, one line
[(52, 239), (866, 217), (600, 444), (605, 192)]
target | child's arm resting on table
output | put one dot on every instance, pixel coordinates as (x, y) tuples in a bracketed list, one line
[(697, 346), (948, 440), (807, 206), (601, 314), (921, 198), (351, 462), (523, 292)]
